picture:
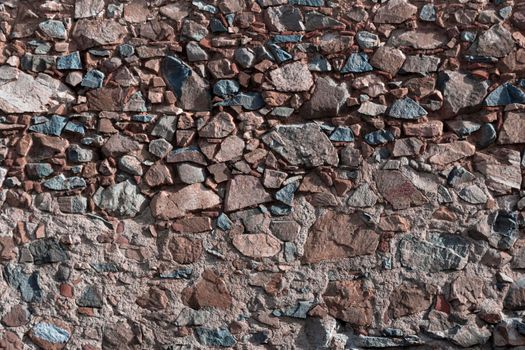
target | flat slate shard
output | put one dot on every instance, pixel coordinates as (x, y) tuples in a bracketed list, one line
[(440, 253), (302, 145)]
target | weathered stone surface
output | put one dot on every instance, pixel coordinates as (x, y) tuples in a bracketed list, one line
[(174, 204), (395, 11), (495, 42), (398, 190), (461, 90), (257, 245), (327, 100), (512, 130), (441, 253), (447, 153), (337, 236), (245, 191), (210, 291), (122, 199), (302, 144), (95, 32), (292, 77), (388, 59), (21, 92), (350, 301), (408, 299)]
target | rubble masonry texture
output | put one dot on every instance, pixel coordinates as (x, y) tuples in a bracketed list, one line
[(262, 174)]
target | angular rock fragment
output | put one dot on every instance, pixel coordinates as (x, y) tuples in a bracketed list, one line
[(336, 236), (174, 204), (302, 145), (350, 301), (245, 191), (398, 190), (395, 11), (22, 93), (258, 245), (327, 100), (292, 77), (95, 32), (512, 130), (495, 42), (123, 199)]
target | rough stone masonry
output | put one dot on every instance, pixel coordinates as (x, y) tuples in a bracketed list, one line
[(262, 174)]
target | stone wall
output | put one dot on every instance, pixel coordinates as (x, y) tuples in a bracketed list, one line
[(262, 174)]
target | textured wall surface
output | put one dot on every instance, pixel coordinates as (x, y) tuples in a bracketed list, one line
[(262, 174)]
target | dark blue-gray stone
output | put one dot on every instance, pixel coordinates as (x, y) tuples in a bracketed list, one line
[(379, 137), (463, 127), (201, 5), (75, 127), (279, 54), (357, 63), (459, 175), (90, 297), (342, 134), (506, 225), (226, 87), (61, 183), (312, 3), (126, 50), (36, 171), (290, 38), (480, 59), (216, 26), (282, 112), (48, 125), (406, 108), (55, 29), (184, 272), (289, 251), (215, 337), (280, 209), (27, 285), (319, 63), (71, 61), (230, 18), (504, 95), (78, 154), (142, 118), (47, 251), (487, 135), (224, 222), (176, 73), (51, 333), (468, 36), (93, 79), (315, 20), (428, 13), (105, 267), (300, 310), (248, 100), (100, 52), (286, 194)]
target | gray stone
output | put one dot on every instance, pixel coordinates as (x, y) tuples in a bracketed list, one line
[(122, 199), (130, 165), (78, 154), (302, 145), (88, 8), (505, 94), (93, 79), (49, 125), (63, 183), (21, 93), (165, 127), (54, 29), (50, 333), (47, 251), (160, 148), (315, 20), (36, 171), (495, 42), (372, 109), (190, 174), (406, 108), (192, 91), (378, 137), (195, 53), (293, 77), (439, 253), (300, 310), (90, 297), (362, 197), (367, 40), (328, 99), (473, 194), (284, 18), (215, 337), (226, 87), (460, 90), (395, 12), (245, 57), (428, 13), (421, 64), (357, 63)]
